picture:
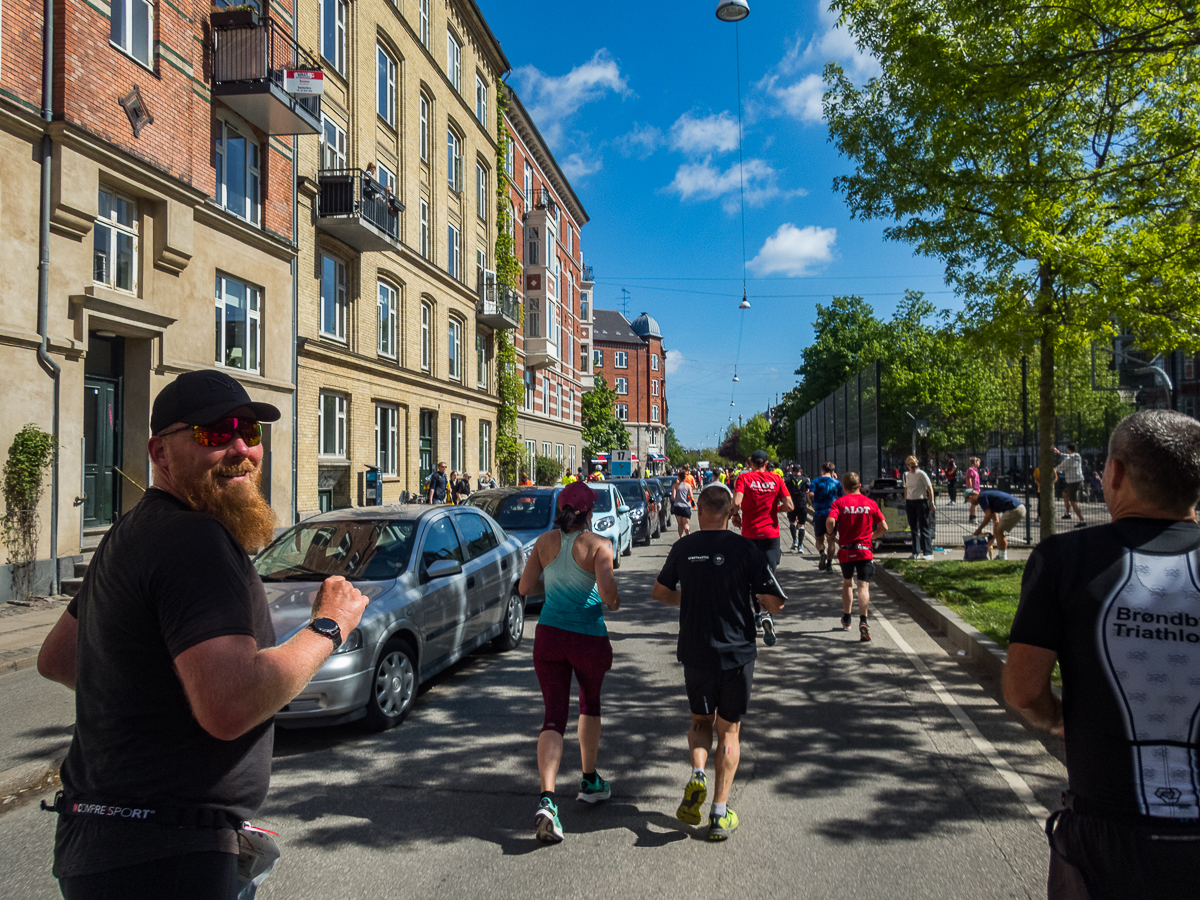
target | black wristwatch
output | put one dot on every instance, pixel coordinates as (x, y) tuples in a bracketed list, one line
[(327, 628)]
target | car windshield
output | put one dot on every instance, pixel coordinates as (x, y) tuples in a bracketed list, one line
[(631, 491), (357, 549), (524, 512), (603, 500)]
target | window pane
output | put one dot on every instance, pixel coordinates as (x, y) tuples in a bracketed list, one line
[(141, 31), (116, 31), (252, 341), (235, 172), (329, 296), (328, 423), (101, 250), (124, 273), (235, 324), (329, 29)]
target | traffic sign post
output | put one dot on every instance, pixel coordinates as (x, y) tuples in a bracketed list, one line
[(621, 464)]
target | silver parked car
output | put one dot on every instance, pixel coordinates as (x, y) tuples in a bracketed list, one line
[(441, 580)]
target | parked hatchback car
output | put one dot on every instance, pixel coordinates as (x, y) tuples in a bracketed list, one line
[(524, 513), (441, 580), (642, 511), (610, 520)]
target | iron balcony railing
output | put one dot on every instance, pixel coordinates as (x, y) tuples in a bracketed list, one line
[(262, 52), (587, 273), (495, 300), (353, 192), (543, 199)]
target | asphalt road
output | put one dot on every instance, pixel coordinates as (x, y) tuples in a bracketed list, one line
[(877, 770)]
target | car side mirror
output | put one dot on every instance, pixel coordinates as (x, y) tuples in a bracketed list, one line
[(622, 509), (443, 568)]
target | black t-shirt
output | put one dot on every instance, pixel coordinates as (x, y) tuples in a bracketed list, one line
[(437, 484), (165, 578), (717, 572), (1120, 605), (798, 488)]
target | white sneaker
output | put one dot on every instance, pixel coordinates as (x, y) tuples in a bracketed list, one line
[(927, 556), (1001, 554)]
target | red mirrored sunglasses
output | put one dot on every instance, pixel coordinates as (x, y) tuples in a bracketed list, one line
[(222, 431)]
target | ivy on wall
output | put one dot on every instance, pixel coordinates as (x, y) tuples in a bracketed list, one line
[(508, 275)]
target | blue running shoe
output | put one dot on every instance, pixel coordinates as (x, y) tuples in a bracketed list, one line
[(594, 790), (546, 826)]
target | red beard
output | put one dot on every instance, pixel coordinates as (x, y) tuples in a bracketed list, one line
[(239, 506)]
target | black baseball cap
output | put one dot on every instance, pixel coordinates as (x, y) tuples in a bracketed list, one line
[(198, 398), (759, 456)]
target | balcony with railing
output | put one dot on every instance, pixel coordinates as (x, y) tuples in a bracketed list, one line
[(356, 209), (586, 275), (543, 199), (541, 353), (251, 57), (497, 306)]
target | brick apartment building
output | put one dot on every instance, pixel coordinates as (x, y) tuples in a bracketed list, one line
[(553, 346), (397, 204), (630, 356), (170, 197)]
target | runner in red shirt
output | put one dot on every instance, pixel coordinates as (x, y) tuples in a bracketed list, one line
[(759, 496), (858, 522)]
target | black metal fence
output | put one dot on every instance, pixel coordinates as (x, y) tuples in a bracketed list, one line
[(352, 192), (843, 428)]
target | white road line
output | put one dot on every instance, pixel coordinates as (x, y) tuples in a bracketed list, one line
[(990, 753)]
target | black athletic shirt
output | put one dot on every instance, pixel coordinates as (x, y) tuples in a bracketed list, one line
[(798, 488), (1120, 604), (164, 579), (717, 572)]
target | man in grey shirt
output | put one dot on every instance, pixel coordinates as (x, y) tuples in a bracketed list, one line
[(1071, 469)]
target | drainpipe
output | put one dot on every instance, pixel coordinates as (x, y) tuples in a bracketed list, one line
[(53, 368)]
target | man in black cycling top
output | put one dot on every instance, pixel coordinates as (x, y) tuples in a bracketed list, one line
[(1118, 606), (797, 486)]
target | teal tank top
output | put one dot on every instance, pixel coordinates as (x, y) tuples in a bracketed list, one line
[(572, 601)]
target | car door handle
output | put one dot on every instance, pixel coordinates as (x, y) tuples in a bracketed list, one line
[(504, 563), (471, 582)]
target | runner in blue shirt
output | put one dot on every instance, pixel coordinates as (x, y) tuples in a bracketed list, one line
[(824, 490)]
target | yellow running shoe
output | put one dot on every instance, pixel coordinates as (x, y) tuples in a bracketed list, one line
[(719, 829), (693, 798)]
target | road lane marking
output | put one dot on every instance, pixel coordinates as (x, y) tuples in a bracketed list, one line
[(989, 751)]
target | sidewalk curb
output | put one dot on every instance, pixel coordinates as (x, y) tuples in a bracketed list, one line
[(30, 775), (965, 637), (21, 662)]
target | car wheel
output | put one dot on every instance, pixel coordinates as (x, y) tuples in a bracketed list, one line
[(628, 551), (514, 624), (393, 686), (616, 557), (646, 542)]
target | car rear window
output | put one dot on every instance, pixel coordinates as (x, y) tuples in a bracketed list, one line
[(356, 549), (603, 500), (524, 512), (631, 491)]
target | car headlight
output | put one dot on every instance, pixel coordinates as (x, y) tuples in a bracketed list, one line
[(352, 642), (528, 548), (606, 523), (637, 512)]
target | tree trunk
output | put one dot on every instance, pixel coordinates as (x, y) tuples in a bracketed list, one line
[(1046, 460)]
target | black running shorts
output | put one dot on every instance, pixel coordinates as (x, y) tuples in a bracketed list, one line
[(770, 548), (820, 517), (862, 568), (798, 516), (725, 692)]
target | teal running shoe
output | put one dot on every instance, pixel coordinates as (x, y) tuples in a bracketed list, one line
[(547, 828), (593, 791), (694, 795)]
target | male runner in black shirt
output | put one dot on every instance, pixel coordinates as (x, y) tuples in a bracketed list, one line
[(797, 486), (712, 575), (1118, 606)]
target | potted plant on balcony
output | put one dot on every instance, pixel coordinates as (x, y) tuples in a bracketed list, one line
[(243, 14)]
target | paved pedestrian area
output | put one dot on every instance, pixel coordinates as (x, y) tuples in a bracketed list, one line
[(877, 770)]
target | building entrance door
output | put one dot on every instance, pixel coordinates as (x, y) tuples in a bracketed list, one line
[(101, 444), (425, 461)]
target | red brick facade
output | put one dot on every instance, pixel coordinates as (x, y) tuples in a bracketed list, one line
[(643, 394)]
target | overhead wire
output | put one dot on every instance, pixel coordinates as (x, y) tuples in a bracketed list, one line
[(737, 51)]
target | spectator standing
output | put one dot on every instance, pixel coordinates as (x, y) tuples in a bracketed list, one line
[(439, 485), (1071, 468), (951, 475), (972, 483), (462, 488), (1116, 607), (919, 505), (170, 650)]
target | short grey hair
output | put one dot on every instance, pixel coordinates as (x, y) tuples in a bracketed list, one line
[(1160, 449)]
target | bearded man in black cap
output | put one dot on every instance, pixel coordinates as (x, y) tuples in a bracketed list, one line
[(170, 650)]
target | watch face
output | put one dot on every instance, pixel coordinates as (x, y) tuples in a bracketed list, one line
[(329, 628)]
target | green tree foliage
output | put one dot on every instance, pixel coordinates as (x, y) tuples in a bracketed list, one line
[(546, 470), (602, 430), (1054, 173), (729, 446), (508, 275), (29, 456), (753, 436), (675, 450)]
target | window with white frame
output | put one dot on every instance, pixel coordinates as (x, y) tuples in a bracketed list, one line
[(385, 438), (559, 453), (115, 242), (333, 33), (654, 387), (555, 399), (333, 144), (237, 324), (480, 264), (423, 21), (509, 156), (485, 445), (529, 389), (238, 172), (454, 348), (546, 449), (454, 160), (424, 236), (131, 27), (454, 61), (481, 191), (620, 359), (528, 186), (481, 100), (458, 425), (584, 303), (654, 362), (530, 450), (387, 320), (423, 127), (426, 317), (570, 240), (453, 252), (385, 176), (481, 360), (583, 359), (622, 385), (533, 242), (333, 297), (332, 425), (569, 412), (545, 396), (571, 457), (597, 357), (623, 412), (654, 413), (385, 85)]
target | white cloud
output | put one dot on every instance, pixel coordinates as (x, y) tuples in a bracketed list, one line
[(792, 251), (553, 99), (576, 166), (672, 362), (802, 100), (698, 136), (704, 181), (641, 141)]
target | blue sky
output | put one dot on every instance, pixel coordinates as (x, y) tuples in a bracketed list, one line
[(639, 105)]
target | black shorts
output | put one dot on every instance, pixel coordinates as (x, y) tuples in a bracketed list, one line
[(208, 875), (863, 568), (725, 692), (770, 547), (798, 516), (1071, 491), (820, 517)]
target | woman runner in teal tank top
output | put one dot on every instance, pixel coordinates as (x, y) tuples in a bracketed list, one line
[(576, 567)]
